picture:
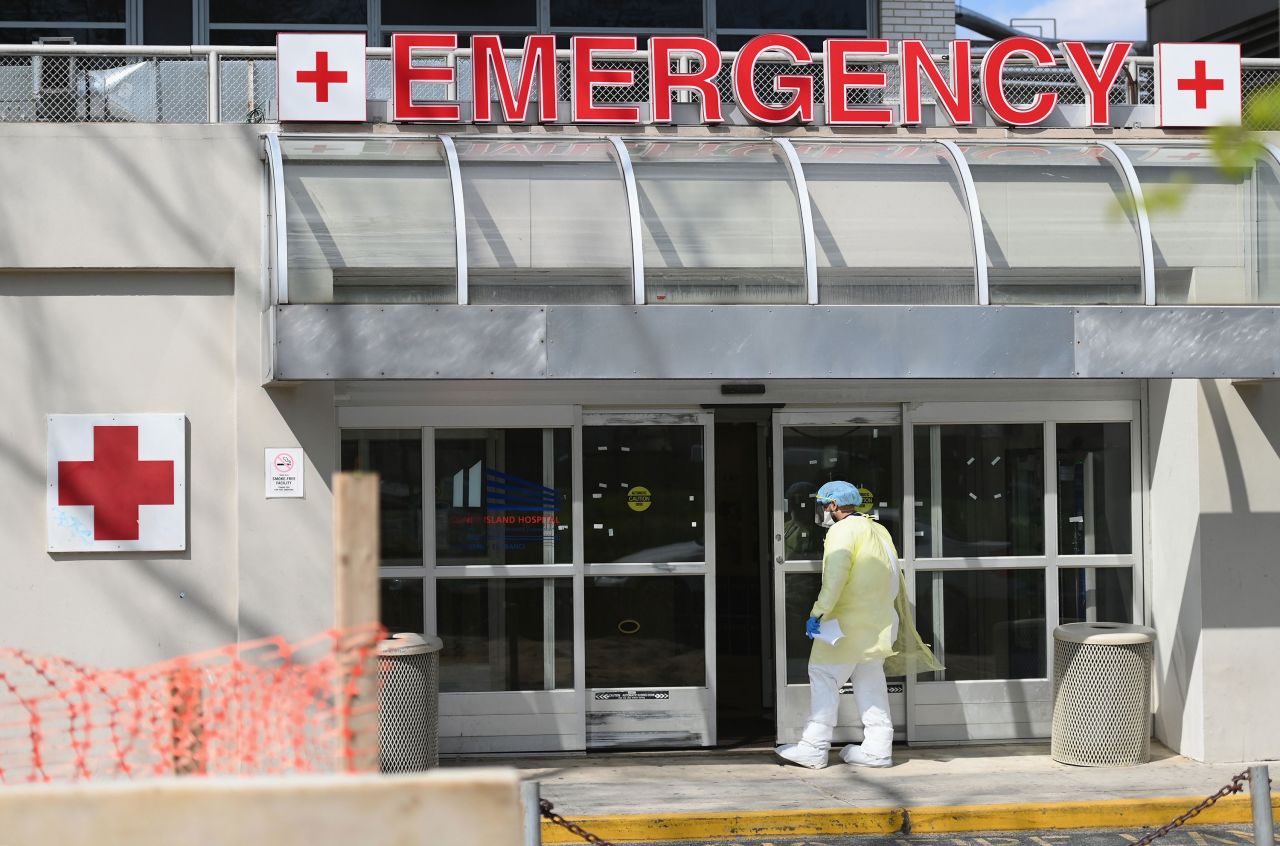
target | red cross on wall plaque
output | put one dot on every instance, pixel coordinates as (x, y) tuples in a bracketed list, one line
[(117, 482), (1199, 84), (321, 76)]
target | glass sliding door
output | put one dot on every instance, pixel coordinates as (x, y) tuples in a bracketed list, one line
[(478, 547), (1024, 516), (649, 588), (811, 448)]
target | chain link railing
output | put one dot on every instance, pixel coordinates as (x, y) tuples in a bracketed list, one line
[(173, 85)]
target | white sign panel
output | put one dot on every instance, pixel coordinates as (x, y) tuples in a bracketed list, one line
[(117, 482), (284, 473), (321, 76), (1199, 84)]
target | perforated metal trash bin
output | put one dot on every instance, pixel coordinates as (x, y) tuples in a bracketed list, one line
[(409, 699), (1102, 694)]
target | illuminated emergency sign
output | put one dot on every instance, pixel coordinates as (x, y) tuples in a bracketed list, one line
[(1204, 80)]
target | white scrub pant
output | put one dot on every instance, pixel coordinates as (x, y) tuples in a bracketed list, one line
[(872, 693)]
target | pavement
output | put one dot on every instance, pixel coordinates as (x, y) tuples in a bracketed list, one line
[(748, 793)]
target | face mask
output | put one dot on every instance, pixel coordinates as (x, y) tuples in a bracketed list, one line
[(824, 519)]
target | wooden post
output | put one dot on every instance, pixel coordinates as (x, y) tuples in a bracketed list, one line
[(355, 602)]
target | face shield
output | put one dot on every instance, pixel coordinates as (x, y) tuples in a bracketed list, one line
[(822, 516)]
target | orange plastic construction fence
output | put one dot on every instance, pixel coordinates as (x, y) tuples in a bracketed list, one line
[(261, 707)]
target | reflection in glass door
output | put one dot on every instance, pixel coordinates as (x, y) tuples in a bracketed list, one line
[(649, 604), (864, 448)]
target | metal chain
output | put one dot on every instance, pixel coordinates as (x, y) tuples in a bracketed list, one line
[(549, 813), (1236, 786)]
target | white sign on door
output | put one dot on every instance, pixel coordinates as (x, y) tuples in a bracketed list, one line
[(1199, 84), (284, 473), (321, 77)]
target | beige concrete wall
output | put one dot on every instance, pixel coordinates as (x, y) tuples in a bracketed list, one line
[(132, 279), (1240, 562), (1173, 569), (449, 807), (1213, 574)]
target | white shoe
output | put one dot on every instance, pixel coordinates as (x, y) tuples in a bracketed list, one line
[(803, 753), (854, 755)]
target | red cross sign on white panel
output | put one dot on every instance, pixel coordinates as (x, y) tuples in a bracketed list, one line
[(1199, 84), (321, 77), (117, 482)]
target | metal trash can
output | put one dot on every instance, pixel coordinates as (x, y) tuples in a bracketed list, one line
[(409, 701), (1102, 694)]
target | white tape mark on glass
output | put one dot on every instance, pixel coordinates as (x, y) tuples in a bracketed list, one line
[(597, 496), (920, 533), (1075, 519), (611, 533), (695, 524), (624, 484), (603, 485), (602, 448), (814, 461), (875, 433), (884, 505), (598, 526), (970, 461), (997, 496), (972, 495), (625, 449), (561, 528), (995, 461), (691, 499)]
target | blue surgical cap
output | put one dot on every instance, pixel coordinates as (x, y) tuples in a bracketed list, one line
[(841, 493)]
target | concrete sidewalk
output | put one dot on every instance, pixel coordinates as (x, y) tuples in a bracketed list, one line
[(640, 796)]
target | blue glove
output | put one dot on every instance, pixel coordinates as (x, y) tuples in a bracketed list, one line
[(811, 627)]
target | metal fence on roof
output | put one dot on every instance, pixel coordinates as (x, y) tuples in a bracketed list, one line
[(238, 85)]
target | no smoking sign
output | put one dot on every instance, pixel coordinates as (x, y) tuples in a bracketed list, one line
[(284, 473)]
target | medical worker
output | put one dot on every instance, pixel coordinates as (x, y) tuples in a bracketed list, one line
[(860, 583)]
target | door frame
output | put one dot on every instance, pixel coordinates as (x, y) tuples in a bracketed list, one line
[(687, 705), (788, 697)]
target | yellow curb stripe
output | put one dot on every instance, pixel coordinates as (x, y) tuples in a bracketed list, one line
[(699, 826), (1107, 813)]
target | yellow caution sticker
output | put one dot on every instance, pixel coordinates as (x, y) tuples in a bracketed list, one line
[(866, 501), (639, 498)]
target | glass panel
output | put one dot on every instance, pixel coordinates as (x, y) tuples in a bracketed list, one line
[(992, 624), (503, 496), (547, 222), (873, 206), (1054, 228), (925, 534), (801, 592), (472, 13), (779, 15), (645, 631), (631, 14), (1095, 595), (288, 11), (868, 456), (721, 223), (396, 456), (98, 11), (81, 36), (494, 634), (369, 221), (992, 491), (402, 608), (1218, 242), (1095, 489), (644, 496)]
